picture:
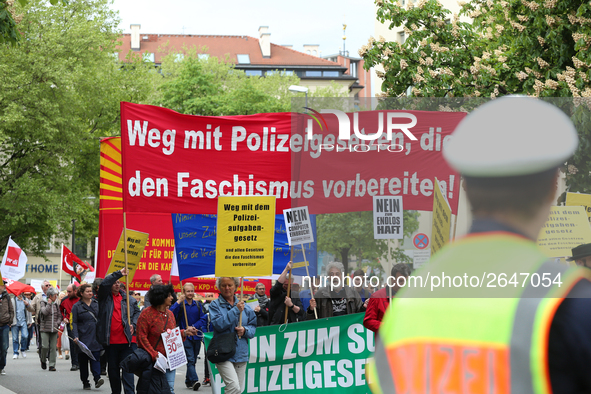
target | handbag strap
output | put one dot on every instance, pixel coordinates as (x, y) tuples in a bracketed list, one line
[(160, 336)]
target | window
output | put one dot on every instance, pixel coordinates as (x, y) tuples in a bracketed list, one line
[(353, 69), (401, 37), (149, 56), (313, 73), (254, 73), (179, 57), (203, 56), (330, 73), (243, 59), (282, 73)]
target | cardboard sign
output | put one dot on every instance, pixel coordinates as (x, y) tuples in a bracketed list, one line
[(566, 228), (299, 228), (388, 222), (136, 242), (175, 351), (441, 219), (245, 235)]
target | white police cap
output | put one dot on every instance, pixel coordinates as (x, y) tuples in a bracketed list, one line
[(511, 136)]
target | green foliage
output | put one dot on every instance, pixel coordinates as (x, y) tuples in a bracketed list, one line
[(493, 48), (213, 87), (8, 20), (351, 233), (59, 92)]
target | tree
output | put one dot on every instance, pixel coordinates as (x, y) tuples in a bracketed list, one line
[(351, 233), (536, 48), (59, 92), (214, 87), (9, 20)]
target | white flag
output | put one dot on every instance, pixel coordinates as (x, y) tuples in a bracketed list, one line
[(14, 262), (174, 269)]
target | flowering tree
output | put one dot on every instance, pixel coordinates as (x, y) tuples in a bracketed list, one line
[(537, 48)]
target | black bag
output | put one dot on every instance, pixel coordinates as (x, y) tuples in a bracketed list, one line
[(222, 347), (140, 360), (137, 362)]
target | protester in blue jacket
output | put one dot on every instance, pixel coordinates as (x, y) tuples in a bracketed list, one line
[(84, 320), (225, 313), (196, 318)]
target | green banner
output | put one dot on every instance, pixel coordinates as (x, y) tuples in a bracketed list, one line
[(327, 355)]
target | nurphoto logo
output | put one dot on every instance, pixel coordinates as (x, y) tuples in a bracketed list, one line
[(344, 126)]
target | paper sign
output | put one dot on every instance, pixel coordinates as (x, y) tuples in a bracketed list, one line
[(566, 228), (175, 351), (136, 242), (300, 264), (252, 303), (299, 228), (579, 199), (420, 257), (441, 219), (245, 235), (387, 217)]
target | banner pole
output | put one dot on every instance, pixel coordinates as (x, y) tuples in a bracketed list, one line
[(184, 306), (61, 267), (308, 273), (241, 294), (126, 268), (288, 293)]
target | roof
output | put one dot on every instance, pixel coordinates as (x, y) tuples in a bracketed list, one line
[(220, 46)]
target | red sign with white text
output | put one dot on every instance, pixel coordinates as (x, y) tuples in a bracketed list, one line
[(182, 163)]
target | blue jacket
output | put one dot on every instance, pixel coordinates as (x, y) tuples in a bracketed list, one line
[(195, 314), (85, 319), (224, 319)]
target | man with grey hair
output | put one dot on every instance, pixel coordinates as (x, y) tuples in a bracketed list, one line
[(35, 306), (280, 301), (336, 298), (154, 280)]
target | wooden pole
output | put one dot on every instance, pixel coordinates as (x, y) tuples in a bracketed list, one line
[(288, 293), (126, 269), (184, 307), (241, 294), (308, 273)]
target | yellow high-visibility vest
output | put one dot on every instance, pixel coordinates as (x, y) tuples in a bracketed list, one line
[(483, 345)]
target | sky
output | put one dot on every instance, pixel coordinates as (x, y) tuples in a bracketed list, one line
[(304, 22)]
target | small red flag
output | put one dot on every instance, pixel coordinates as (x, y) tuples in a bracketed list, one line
[(70, 263)]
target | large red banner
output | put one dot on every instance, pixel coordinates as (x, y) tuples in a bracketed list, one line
[(158, 253), (182, 163)]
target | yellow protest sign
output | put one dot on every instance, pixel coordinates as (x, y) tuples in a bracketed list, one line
[(136, 242), (245, 236), (441, 219), (579, 199), (566, 228)]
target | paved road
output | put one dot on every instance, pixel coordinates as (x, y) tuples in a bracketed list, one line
[(25, 376)]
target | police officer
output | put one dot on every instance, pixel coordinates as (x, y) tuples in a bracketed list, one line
[(494, 317)]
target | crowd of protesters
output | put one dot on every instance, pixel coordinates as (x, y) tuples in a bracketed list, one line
[(96, 316)]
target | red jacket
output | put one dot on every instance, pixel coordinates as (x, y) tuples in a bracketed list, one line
[(376, 308), (66, 306)]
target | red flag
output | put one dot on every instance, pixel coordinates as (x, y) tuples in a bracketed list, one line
[(70, 262)]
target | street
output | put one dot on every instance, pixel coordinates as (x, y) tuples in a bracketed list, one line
[(25, 376)]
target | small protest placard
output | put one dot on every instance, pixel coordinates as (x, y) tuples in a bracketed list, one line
[(566, 228), (299, 228), (441, 219), (245, 236), (175, 351), (387, 217), (136, 242)]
